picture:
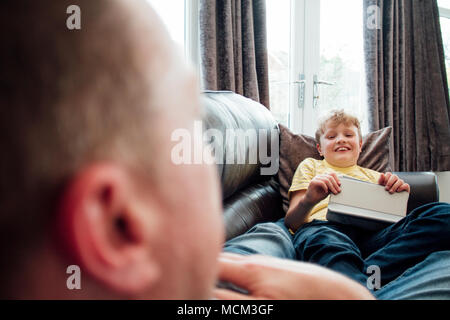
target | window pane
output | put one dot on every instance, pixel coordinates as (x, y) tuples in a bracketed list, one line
[(445, 30), (279, 102), (444, 4), (342, 59), (172, 14), (278, 43)]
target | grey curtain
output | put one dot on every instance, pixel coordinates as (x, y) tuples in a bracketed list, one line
[(233, 47), (407, 82)]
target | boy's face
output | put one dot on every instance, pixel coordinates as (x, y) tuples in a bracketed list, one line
[(340, 144)]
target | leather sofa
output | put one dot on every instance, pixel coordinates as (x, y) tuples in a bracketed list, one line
[(250, 197)]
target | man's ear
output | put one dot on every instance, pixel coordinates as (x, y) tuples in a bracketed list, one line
[(106, 231), (318, 149)]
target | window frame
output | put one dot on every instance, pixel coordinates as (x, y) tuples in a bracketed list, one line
[(192, 32), (445, 13)]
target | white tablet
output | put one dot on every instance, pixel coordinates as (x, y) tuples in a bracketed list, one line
[(366, 204)]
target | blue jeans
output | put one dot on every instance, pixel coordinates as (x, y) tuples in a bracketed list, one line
[(351, 251), (270, 239), (429, 279)]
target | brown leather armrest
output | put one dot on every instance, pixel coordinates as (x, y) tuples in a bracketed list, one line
[(424, 188)]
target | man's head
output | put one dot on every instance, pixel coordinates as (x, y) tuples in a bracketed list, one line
[(86, 173), (339, 138)]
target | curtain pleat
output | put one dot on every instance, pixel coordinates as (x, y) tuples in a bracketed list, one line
[(407, 83), (233, 47)]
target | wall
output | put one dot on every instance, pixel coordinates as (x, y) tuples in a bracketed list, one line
[(444, 186)]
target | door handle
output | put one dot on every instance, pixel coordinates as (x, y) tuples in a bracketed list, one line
[(301, 90), (318, 82)]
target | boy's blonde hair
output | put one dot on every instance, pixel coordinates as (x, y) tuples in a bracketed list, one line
[(337, 117)]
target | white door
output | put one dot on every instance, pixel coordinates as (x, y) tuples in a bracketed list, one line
[(316, 60)]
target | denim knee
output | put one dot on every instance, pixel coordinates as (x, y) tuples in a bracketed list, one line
[(429, 279), (436, 212), (270, 238), (316, 236), (431, 209), (322, 234)]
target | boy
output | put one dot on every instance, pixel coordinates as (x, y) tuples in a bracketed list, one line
[(339, 141), (304, 234), (345, 248)]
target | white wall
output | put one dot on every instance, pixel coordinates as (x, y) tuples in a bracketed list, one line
[(444, 186)]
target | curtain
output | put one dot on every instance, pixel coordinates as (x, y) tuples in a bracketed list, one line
[(233, 47), (407, 82)]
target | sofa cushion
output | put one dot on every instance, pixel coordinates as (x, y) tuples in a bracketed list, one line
[(294, 148)]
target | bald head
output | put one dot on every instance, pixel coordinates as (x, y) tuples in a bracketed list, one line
[(74, 97)]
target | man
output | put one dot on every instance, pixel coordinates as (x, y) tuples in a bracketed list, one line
[(86, 175)]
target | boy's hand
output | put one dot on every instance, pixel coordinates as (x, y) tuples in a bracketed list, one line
[(321, 186), (393, 183)]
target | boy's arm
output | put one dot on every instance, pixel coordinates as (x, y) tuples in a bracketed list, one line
[(298, 211), (303, 201)]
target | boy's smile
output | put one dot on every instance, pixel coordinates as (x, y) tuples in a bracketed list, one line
[(340, 144)]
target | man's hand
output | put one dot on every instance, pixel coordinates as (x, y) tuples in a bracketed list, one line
[(393, 183), (272, 278), (321, 186)]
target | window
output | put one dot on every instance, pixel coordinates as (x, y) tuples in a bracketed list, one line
[(444, 13), (316, 60), (342, 59), (278, 43), (181, 19), (172, 14)]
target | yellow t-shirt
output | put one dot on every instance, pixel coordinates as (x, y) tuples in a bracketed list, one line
[(310, 167)]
